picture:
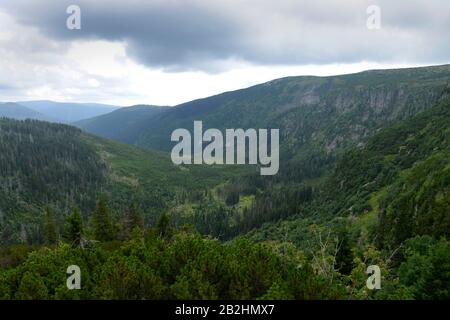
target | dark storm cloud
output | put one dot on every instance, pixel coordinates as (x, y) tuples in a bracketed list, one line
[(180, 35), (163, 34)]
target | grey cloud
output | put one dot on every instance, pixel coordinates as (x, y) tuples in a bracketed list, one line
[(185, 35)]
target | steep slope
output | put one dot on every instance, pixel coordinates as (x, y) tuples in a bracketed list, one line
[(19, 112), (324, 113), (395, 187), (386, 203), (68, 112), (124, 124), (299, 105), (318, 117), (45, 164)]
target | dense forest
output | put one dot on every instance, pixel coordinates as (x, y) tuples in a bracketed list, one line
[(178, 263), (47, 165), (140, 227)]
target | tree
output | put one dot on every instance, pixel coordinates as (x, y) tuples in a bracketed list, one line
[(31, 287), (74, 228), (131, 218), (163, 227), (426, 269), (102, 224), (50, 228), (232, 198), (344, 257)]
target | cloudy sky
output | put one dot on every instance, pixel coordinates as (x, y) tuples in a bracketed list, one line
[(170, 51)]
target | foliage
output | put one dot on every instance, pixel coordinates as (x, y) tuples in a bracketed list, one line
[(73, 230)]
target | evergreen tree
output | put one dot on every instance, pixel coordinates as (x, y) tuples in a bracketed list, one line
[(102, 225), (232, 198), (74, 228), (50, 228), (163, 227), (344, 256), (130, 219), (31, 287), (136, 216)]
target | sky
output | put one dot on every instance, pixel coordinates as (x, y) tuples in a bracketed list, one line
[(165, 52)]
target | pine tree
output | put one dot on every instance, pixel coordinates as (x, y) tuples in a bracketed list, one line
[(74, 228), (136, 217), (344, 256), (163, 227), (130, 219), (102, 224), (50, 228)]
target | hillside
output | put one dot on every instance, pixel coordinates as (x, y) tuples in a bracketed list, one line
[(386, 203), (314, 114), (204, 196), (320, 118), (394, 188), (124, 124), (149, 229), (65, 112), (19, 112), (317, 116), (44, 164)]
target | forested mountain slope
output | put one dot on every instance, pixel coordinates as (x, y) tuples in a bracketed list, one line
[(124, 124), (315, 115), (307, 233), (324, 113), (351, 187), (395, 187), (44, 164)]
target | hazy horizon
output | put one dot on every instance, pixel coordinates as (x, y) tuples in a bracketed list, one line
[(112, 104)]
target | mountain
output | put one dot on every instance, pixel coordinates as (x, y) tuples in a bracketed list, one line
[(326, 113), (53, 165), (364, 181), (385, 203), (317, 116), (394, 188), (65, 112), (320, 119), (124, 124), (17, 111)]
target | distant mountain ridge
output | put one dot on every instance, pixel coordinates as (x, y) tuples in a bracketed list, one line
[(66, 112), (316, 115), (327, 112), (16, 111), (124, 124)]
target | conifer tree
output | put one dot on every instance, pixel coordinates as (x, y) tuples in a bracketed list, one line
[(131, 218), (163, 227), (74, 228), (102, 225), (32, 287), (50, 228)]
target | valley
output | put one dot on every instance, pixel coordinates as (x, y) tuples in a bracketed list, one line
[(363, 180)]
